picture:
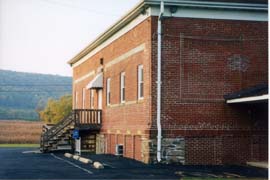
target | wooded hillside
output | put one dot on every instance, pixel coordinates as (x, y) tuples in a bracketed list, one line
[(21, 94)]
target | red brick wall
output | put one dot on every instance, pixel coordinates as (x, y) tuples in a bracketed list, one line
[(133, 117), (202, 60), (131, 144)]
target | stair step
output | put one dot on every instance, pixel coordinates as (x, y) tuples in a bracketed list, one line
[(62, 142), (52, 142), (64, 135), (60, 136), (66, 147)]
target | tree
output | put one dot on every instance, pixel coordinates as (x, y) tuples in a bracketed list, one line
[(56, 110)]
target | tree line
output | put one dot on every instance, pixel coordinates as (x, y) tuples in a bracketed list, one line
[(24, 95)]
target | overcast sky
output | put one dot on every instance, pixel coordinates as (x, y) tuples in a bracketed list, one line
[(42, 35)]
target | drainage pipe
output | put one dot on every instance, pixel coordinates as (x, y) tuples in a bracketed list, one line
[(159, 81)]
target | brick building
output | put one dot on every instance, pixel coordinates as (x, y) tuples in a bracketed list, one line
[(214, 74)]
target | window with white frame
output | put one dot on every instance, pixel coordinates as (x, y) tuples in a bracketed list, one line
[(122, 87), (108, 91), (83, 98), (76, 100), (140, 82), (92, 98)]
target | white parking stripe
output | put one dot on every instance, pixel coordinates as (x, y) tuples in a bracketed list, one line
[(108, 165), (71, 163)]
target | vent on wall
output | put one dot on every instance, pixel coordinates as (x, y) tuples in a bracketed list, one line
[(119, 150)]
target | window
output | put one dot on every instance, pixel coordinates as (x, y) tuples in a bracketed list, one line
[(122, 87), (83, 98), (108, 92), (140, 82), (92, 98), (119, 149), (76, 100)]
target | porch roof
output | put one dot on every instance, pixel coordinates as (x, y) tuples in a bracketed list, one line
[(256, 93), (96, 83)]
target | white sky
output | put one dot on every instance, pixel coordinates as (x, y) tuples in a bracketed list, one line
[(42, 35)]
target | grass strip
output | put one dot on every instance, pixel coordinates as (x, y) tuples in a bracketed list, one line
[(18, 145)]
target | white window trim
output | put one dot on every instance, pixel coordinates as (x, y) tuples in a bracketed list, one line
[(76, 99), (83, 98), (108, 91), (140, 74), (92, 99), (122, 87)]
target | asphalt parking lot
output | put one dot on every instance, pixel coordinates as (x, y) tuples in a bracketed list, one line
[(22, 163)]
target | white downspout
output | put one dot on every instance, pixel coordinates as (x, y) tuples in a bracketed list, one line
[(159, 81)]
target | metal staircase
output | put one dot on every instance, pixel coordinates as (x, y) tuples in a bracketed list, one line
[(59, 136)]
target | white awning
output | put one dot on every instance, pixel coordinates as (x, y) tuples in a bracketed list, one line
[(96, 83), (248, 99)]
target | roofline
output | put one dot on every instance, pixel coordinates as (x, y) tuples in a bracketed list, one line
[(144, 4), (110, 31)]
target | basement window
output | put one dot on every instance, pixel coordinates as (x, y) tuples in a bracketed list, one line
[(119, 149)]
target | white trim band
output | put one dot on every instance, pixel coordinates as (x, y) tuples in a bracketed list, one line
[(84, 77), (125, 55), (203, 13)]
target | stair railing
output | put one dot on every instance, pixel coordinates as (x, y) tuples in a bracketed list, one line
[(88, 116), (52, 132)]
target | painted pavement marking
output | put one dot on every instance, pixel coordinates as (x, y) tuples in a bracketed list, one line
[(71, 163)]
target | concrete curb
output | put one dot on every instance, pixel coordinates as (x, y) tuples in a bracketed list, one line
[(85, 160), (96, 164), (68, 155), (76, 157)]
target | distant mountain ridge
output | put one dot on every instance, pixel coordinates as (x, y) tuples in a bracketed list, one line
[(22, 93)]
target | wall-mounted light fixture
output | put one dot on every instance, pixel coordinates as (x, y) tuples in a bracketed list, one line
[(173, 9)]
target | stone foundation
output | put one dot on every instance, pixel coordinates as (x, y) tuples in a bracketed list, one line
[(172, 150)]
